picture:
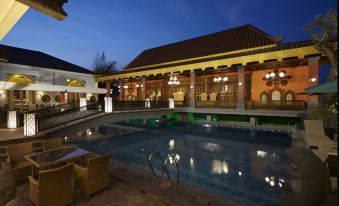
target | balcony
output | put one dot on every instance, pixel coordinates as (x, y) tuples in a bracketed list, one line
[(276, 105)]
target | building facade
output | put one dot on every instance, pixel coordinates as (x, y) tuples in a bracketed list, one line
[(239, 69), (30, 80)]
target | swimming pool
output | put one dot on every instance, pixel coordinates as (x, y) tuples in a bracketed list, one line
[(244, 165)]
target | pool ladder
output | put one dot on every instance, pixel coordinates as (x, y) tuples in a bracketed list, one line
[(169, 158)]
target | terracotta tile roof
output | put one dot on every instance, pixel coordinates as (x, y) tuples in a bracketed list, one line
[(28, 57), (282, 46), (239, 38)]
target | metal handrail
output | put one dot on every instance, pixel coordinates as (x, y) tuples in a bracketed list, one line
[(174, 159), (162, 163)]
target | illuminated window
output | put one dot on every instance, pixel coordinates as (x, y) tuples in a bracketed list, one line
[(21, 78), (75, 83)]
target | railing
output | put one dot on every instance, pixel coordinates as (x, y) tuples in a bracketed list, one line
[(132, 105), (216, 104), (54, 109), (55, 119), (277, 105), (181, 103)]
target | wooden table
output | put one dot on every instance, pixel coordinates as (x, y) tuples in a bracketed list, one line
[(45, 160)]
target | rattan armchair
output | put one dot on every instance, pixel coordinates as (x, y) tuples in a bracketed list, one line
[(53, 143), (54, 187), (95, 176), (18, 165)]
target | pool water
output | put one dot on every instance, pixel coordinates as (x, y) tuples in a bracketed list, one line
[(244, 165)]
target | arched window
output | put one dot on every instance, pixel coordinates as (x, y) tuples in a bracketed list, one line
[(75, 83), (289, 97), (21, 78), (276, 95)]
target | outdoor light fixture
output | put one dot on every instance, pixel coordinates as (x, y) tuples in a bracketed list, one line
[(240, 83), (219, 79), (125, 87), (313, 79), (173, 81), (137, 85), (276, 76)]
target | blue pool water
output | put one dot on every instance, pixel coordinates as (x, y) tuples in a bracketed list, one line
[(244, 165)]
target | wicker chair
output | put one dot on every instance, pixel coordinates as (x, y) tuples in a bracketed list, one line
[(54, 187), (95, 176), (18, 165), (53, 143)]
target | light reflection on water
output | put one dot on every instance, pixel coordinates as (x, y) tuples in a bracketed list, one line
[(233, 163)]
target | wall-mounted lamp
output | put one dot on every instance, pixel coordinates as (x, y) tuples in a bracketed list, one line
[(313, 79), (240, 83), (219, 79)]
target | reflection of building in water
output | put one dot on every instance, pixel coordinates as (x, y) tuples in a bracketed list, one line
[(212, 147), (219, 167), (171, 144)]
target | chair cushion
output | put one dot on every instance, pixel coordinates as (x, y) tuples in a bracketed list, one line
[(20, 201), (7, 187)]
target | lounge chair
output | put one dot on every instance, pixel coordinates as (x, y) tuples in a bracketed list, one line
[(213, 97), (54, 187), (18, 165), (95, 176), (203, 97), (317, 140), (53, 143)]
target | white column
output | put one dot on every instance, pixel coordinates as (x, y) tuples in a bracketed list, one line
[(83, 103), (147, 103), (12, 122), (30, 126), (108, 104), (171, 103)]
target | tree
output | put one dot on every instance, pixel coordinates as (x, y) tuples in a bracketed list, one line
[(103, 67), (323, 31)]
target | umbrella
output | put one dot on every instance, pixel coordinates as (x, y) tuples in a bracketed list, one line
[(328, 87)]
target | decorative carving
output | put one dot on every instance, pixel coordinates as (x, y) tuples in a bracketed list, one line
[(29, 124), (11, 120), (45, 98), (57, 98)]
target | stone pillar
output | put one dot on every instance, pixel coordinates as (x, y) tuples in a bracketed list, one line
[(192, 88), (108, 104), (83, 103), (241, 88), (108, 88), (12, 121), (121, 90), (171, 103), (313, 65), (143, 89), (252, 121), (30, 125)]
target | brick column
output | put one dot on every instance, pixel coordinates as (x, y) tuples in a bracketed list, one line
[(108, 88), (62, 97), (192, 88), (207, 85), (121, 90), (313, 65), (241, 88), (143, 90)]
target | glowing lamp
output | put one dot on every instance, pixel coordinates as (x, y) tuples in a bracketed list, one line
[(225, 79), (272, 74), (313, 79), (108, 104), (282, 74), (267, 76), (29, 125), (12, 120)]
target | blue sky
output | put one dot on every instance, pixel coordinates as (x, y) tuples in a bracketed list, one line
[(123, 28)]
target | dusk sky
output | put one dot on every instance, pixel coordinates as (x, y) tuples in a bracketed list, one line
[(124, 28)]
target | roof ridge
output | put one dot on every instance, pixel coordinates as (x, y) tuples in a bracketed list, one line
[(230, 29)]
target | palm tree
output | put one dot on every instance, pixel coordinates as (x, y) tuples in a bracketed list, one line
[(103, 67), (323, 30)]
